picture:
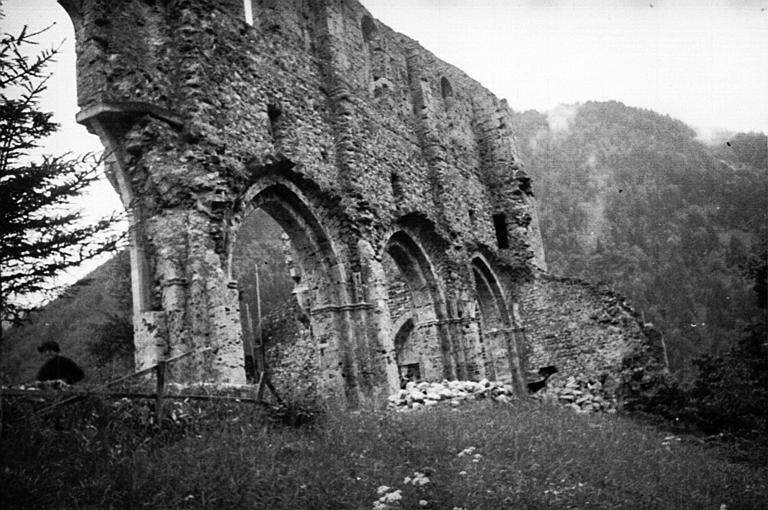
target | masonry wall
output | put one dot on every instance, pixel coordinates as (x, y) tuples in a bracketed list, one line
[(586, 330), (355, 139)]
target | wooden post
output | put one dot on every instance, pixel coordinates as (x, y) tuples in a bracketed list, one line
[(664, 350), (160, 371), (263, 380), (260, 362), (250, 349), (258, 317)]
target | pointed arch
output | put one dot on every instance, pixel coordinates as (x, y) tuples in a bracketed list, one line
[(431, 345), (496, 323), (491, 296), (317, 255), (320, 282), (414, 263)]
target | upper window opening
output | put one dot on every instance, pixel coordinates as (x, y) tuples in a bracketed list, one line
[(248, 9), (397, 186), (445, 88), (273, 111), (370, 32), (500, 224), (275, 115)]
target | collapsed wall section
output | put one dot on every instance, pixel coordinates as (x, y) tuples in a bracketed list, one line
[(587, 331)]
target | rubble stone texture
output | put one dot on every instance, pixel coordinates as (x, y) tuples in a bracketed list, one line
[(393, 174)]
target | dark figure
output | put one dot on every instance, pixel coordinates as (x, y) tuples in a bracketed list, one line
[(57, 366), (546, 373)]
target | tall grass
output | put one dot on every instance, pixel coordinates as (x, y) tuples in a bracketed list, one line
[(483, 455)]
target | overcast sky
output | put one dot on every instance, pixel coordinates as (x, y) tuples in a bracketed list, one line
[(702, 61)]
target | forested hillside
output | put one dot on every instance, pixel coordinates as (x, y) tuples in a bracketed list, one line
[(92, 320), (631, 197)]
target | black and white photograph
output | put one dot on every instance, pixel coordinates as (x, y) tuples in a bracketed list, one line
[(384, 254)]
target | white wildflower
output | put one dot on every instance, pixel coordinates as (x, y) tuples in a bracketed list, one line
[(423, 502), (381, 490), (419, 478), (391, 497), (467, 451)]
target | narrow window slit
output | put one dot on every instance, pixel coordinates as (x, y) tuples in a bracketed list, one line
[(275, 121), (500, 224), (397, 185), (445, 88)]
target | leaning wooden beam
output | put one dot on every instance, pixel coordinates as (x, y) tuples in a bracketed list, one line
[(42, 394), (160, 375)]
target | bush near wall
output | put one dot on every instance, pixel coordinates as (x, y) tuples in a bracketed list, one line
[(728, 395)]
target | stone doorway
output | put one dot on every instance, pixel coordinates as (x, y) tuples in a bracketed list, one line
[(408, 362)]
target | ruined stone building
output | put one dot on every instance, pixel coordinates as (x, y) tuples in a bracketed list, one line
[(394, 174)]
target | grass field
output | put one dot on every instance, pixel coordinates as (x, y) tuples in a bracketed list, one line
[(481, 455)]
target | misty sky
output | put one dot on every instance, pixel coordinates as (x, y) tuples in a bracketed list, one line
[(704, 62)]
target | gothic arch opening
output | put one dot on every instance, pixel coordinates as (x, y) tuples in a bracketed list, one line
[(495, 324), (446, 90), (415, 295), (368, 27), (303, 346), (406, 354)]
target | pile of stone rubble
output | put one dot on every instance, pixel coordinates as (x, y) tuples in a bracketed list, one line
[(426, 394), (580, 394)]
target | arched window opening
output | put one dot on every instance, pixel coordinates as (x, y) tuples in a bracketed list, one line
[(445, 88), (370, 32), (408, 363)]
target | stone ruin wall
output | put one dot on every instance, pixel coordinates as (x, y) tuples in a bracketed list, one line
[(586, 330), (364, 147)]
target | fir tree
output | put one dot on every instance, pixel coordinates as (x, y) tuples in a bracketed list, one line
[(41, 234)]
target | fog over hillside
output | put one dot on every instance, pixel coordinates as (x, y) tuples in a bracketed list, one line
[(634, 198)]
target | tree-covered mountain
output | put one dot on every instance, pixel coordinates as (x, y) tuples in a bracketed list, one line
[(631, 197), (90, 321)]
